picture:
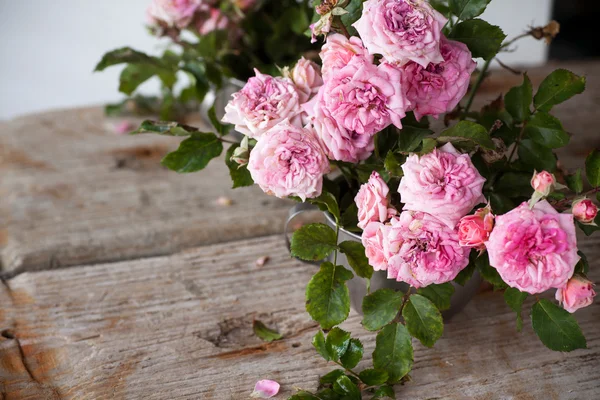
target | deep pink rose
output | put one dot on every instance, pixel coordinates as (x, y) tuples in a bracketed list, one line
[(577, 293), (402, 30), (372, 238), (307, 78), (372, 201), (543, 182), (178, 13), (288, 161), (211, 20), (444, 183), (474, 230), (438, 88), (422, 250), (262, 103), (585, 211), (338, 50), (534, 249)]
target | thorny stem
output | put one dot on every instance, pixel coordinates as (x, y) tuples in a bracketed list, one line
[(517, 143), (567, 200), (342, 27)]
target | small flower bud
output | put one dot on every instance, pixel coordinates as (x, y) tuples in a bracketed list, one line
[(543, 182), (584, 211), (577, 293)]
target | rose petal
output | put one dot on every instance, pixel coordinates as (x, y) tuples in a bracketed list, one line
[(265, 389)]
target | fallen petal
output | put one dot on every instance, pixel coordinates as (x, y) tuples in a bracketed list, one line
[(124, 127), (265, 389), (224, 201), (262, 261)]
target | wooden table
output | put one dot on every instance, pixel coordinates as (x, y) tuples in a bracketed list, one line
[(123, 280)]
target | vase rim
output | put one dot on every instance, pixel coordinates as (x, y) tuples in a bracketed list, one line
[(331, 222)]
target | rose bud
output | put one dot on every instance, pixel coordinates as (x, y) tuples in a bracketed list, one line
[(474, 230), (576, 294), (585, 211), (543, 183)]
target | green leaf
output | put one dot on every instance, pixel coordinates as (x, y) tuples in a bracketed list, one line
[(240, 175), (353, 354), (556, 328), (384, 392), (589, 229), (515, 298), (331, 377), (165, 128), (583, 265), (198, 70), (559, 86), (380, 307), (373, 377), (337, 343), (439, 295), (465, 275), (393, 164), (467, 131), (347, 388), (193, 153), (514, 184), (488, 272), (133, 75), (327, 296), (410, 137), (423, 320), (575, 181), (536, 156), (304, 395), (129, 56), (318, 342), (546, 130), (355, 253), (393, 351), (468, 9), (484, 40), (518, 100), (501, 204), (313, 242), (222, 129), (265, 333), (428, 145), (327, 202), (354, 9), (592, 168)]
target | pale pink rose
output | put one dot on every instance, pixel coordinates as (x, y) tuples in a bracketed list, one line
[(402, 30), (534, 249), (474, 230), (338, 50), (577, 293), (543, 182), (265, 389), (211, 20), (289, 161), (444, 183), (373, 238), (422, 250), (438, 88), (262, 103), (307, 78), (177, 13), (372, 201), (584, 211)]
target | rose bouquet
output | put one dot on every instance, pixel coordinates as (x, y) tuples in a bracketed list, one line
[(211, 42), (350, 133)]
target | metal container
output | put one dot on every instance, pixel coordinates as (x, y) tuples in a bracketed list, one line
[(357, 286)]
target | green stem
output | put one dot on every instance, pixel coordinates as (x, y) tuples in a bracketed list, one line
[(347, 369), (517, 143), (476, 87), (337, 234)]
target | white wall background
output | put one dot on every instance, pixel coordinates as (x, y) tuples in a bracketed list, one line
[(48, 48)]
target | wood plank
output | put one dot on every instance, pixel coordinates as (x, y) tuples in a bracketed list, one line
[(179, 327), (73, 193)]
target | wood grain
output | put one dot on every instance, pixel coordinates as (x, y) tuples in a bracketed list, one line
[(73, 193), (180, 327)]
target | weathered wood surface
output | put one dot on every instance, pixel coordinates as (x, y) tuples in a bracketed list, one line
[(72, 192), (180, 327)]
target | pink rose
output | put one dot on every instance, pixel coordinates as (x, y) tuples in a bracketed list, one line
[(338, 50), (372, 201), (211, 20), (288, 161), (585, 211), (438, 88), (402, 30), (307, 78), (373, 238), (534, 249), (178, 13), (474, 230), (422, 250), (444, 183), (262, 103), (576, 294), (543, 182)]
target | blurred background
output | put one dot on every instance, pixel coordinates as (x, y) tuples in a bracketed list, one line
[(49, 48)]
